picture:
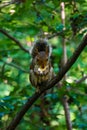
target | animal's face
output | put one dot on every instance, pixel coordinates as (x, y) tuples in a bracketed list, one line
[(42, 63), (42, 60)]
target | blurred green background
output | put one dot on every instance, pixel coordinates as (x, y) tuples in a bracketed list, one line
[(26, 21)]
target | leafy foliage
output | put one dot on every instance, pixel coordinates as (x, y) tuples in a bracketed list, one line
[(27, 21)]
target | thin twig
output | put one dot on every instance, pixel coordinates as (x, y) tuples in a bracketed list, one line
[(14, 39), (61, 33), (3, 70), (15, 66), (67, 113), (81, 80), (5, 4)]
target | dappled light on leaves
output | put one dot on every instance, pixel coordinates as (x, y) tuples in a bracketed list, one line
[(22, 22)]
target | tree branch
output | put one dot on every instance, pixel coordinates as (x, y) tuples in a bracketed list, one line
[(2, 71), (63, 61), (81, 80), (61, 33), (49, 85), (67, 113), (19, 115), (14, 39), (4, 4), (15, 66)]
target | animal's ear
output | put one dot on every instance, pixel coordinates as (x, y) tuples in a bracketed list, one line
[(48, 50), (33, 50), (36, 51)]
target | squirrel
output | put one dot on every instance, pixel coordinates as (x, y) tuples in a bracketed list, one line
[(41, 70)]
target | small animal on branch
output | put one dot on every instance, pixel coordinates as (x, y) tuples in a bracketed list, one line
[(41, 70)]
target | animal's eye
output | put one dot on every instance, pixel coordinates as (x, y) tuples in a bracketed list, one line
[(46, 59), (37, 59)]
